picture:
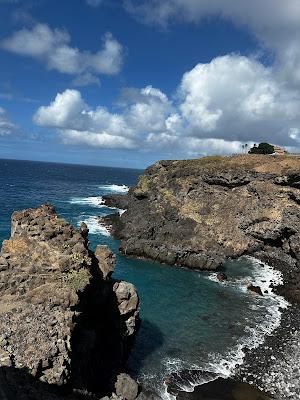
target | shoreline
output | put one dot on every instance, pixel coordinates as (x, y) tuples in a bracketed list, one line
[(257, 361), (270, 366), (245, 371)]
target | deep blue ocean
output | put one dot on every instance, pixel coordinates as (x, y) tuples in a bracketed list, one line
[(189, 320)]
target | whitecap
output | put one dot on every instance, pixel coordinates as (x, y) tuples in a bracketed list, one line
[(95, 226), (94, 201), (114, 188)]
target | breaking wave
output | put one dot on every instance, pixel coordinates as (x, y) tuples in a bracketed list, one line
[(114, 188)]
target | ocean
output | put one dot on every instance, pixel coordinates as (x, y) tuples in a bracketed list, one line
[(189, 319)]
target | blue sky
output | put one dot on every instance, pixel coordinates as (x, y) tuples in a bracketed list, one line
[(126, 83)]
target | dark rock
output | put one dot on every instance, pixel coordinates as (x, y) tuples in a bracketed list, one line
[(222, 277), (224, 389), (116, 201), (198, 213), (255, 289)]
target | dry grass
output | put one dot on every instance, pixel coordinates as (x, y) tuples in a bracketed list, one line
[(15, 246)]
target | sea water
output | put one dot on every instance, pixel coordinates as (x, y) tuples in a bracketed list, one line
[(189, 319)]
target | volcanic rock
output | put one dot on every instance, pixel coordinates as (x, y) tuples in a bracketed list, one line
[(197, 213), (255, 289), (63, 327)]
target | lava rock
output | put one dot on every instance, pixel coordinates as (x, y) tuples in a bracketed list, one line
[(255, 289)]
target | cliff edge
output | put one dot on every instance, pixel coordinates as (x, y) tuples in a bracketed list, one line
[(197, 213)]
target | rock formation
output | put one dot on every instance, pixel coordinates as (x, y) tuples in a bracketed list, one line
[(65, 326), (197, 213)]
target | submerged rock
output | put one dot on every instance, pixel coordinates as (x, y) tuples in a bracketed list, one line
[(63, 325)]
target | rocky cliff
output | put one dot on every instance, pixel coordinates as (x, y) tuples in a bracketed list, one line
[(197, 213), (66, 327)]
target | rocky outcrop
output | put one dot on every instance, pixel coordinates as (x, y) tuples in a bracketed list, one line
[(197, 213), (116, 201), (65, 326)]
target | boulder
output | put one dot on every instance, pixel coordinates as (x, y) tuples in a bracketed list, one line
[(107, 261), (255, 289), (126, 387)]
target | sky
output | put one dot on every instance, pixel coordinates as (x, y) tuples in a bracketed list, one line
[(128, 82)]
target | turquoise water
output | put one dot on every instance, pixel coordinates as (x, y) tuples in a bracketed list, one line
[(188, 319)]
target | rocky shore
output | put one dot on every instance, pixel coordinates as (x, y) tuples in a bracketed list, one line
[(198, 213), (66, 327)]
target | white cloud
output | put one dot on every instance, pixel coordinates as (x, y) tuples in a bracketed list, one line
[(219, 105), (275, 23), (6, 126), (237, 98), (52, 47), (103, 140)]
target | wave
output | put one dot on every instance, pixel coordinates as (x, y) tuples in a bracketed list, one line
[(95, 201), (95, 226), (225, 365), (114, 188)]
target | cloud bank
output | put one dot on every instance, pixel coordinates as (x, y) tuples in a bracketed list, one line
[(219, 105)]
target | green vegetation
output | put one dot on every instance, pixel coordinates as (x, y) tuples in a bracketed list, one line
[(78, 280), (262, 148)]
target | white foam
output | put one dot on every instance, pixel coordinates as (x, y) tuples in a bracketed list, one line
[(94, 201), (114, 188), (224, 366), (95, 226), (263, 276)]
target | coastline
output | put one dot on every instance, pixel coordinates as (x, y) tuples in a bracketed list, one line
[(257, 364)]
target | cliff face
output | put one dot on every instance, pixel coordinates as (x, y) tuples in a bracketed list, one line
[(65, 325), (197, 213)]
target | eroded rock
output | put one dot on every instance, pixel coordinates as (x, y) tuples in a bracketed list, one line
[(198, 213), (62, 325)]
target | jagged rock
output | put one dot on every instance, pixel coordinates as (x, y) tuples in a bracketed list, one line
[(128, 302), (107, 261), (198, 213), (116, 201), (61, 323), (126, 387), (255, 289)]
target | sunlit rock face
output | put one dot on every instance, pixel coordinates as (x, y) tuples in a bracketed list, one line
[(64, 325)]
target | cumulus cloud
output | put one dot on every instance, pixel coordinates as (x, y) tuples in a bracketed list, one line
[(79, 123), (6, 126), (219, 105), (239, 99), (52, 47), (275, 23)]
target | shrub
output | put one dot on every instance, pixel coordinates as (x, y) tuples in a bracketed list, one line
[(262, 148)]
